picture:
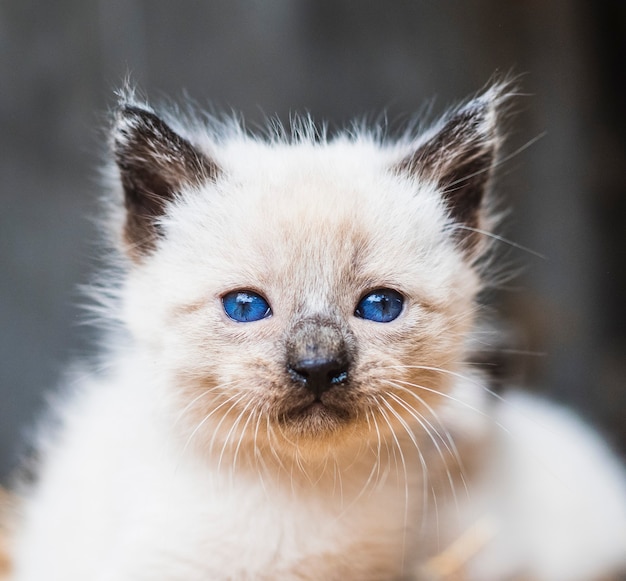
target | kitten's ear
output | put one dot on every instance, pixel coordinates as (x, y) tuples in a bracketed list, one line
[(154, 163), (459, 156)]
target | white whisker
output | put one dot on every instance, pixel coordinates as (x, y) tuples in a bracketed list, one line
[(216, 429), (271, 438), (459, 401), (454, 374), (205, 420), (423, 423), (425, 472), (258, 457), (448, 442), (200, 396), (406, 481), (242, 434), (499, 238)]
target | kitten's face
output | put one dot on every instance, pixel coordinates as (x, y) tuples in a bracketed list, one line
[(309, 293)]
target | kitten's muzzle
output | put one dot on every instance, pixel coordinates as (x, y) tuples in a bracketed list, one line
[(319, 375), (318, 355)]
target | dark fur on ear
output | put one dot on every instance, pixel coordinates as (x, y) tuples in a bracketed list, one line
[(460, 155), (155, 163)]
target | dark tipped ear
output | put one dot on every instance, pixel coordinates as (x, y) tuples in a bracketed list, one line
[(155, 163), (459, 156)]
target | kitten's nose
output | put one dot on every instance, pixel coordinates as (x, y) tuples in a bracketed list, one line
[(319, 375)]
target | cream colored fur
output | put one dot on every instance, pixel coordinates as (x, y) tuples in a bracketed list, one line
[(176, 462)]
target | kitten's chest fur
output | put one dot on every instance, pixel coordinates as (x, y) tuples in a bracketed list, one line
[(282, 531)]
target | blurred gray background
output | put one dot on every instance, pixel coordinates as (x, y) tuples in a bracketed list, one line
[(61, 60)]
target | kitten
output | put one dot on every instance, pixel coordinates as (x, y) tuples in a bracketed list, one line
[(293, 395)]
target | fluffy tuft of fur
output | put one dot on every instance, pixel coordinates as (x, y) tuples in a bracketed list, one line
[(315, 438)]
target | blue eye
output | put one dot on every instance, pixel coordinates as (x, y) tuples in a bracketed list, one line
[(382, 306), (245, 306)]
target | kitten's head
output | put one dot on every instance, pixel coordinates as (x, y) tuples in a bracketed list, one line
[(299, 290)]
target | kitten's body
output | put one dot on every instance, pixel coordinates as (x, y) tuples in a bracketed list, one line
[(208, 451)]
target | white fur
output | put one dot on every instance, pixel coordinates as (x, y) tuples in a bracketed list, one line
[(132, 490), (556, 496)]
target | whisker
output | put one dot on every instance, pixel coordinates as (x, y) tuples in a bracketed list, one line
[(258, 457), (338, 472), (459, 401), (241, 436), (521, 352), (378, 446), (499, 238), (362, 491), (418, 417), (436, 508), (406, 483), (450, 445), (200, 396), (377, 452), (448, 442), (425, 472), (206, 419), (298, 462), (466, 378), (381, 479), (271, 439), (222, 419), (490, 417)]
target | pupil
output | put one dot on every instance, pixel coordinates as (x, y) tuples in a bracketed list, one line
[(245, 306), (382, 306)]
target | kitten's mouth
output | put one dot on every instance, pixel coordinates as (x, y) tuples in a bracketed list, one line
[(316, 416), (320, 409)]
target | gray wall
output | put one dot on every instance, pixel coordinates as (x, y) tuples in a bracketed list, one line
[(60, 61)]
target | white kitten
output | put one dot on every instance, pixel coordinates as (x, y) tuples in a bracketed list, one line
[(294, 397)]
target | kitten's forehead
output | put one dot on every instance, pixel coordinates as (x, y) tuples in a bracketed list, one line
[(317, 221)]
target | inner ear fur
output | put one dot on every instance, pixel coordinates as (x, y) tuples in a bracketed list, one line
[(459, 155), (154, 164)]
